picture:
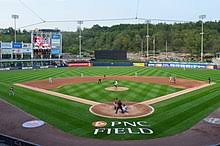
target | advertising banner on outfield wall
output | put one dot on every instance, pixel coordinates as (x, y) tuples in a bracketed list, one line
[(210, 67), (79, 64), (181, 65), (112, 64), (6, 45), (139, 64)]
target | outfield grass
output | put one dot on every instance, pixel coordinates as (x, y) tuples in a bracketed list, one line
[(170, 117), (137, 91)]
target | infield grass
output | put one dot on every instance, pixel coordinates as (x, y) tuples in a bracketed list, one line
[(170, 117), (137, 91)]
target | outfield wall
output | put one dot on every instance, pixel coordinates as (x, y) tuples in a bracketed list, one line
[(55, 63), (112, 63), (181, 65)]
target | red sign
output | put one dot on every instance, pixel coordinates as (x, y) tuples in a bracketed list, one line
[(78, 64)]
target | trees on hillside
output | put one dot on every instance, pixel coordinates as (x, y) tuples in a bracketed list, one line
[(183, 37)]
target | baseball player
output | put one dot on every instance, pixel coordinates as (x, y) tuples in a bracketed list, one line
[(119, 106), (50, 80), (99, 81), (170, 79), (115, 83), (125, 108), (174, 79), (115, 103), (11, 91), (209, 79)]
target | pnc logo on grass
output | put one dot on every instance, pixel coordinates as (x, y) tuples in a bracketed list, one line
[(99, 124), (122, 127)]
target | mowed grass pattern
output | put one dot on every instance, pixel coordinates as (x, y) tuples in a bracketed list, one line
[(170, 117), (137, 91)]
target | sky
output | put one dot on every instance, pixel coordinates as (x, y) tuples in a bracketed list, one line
[(33, 11)]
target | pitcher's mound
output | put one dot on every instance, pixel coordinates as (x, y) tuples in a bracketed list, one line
[(135, 110), (116, 89)]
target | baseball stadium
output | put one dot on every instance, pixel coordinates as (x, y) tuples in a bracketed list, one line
[(136, 82)]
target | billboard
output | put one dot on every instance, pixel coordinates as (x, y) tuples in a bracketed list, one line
[(111, 54), (6, 51), (6, 45), (55, 44), (17, 51), (26, 46), (55, 51), (40, 42), (56, 36), (16, 45), (27, 51), (55, 41)]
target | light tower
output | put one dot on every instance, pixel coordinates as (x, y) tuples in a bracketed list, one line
[(202, 36), (166, 50), (80, 38), (14, 16), (147, 36)]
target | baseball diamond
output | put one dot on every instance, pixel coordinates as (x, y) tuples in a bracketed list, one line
[(136, 110), (72, 103), (114, 73)]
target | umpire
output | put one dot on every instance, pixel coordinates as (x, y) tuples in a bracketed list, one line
[(119, 107)]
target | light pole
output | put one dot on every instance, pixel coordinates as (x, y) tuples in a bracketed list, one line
[(166, 50), (14, 16), (154, 47), (202, 36), (147, 36), (142, 47), (80, 38)]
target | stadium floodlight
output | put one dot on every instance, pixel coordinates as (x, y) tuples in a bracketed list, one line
[(202, 36), (14, 16), (147, 36), (166, 50), (80, 22), (154, 47)]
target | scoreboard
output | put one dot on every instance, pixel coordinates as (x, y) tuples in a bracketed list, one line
[(111, 54)]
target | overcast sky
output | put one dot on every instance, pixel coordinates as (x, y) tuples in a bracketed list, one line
[(188, 10)]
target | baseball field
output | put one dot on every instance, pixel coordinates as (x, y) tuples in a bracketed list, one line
[(169, 117)]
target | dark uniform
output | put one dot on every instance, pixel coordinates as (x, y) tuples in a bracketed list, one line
[(99, 81), (174, 79), (115, 103), (119, 107), (11, 91), (209, 80)]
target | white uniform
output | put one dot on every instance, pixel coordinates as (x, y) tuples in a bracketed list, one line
[(50, 80)]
